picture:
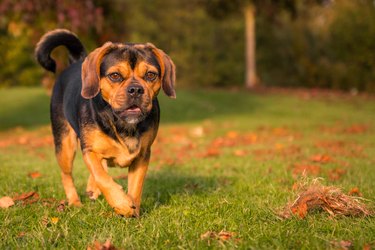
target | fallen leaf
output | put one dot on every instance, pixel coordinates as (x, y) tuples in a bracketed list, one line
[(250, 139), (61, 207), (300, 169), (27, 198), (21, 234), (99, 246), (232, 135), (356, 129), (355, 192), (221, 236), (197, 132), (366, 247), (45, 221), (34, 175), (321, 158), (6, 202), (343, 244), (336, 174), (369, 246), (301, 208), (211, 152), (240, 152), (54, 220)]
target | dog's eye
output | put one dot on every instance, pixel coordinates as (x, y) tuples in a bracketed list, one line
[(150, 76), (115, 77)]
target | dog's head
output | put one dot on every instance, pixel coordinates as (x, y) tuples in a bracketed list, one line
[(128, 77)]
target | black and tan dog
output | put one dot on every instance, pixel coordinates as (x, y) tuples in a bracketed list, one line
[(107, 101)]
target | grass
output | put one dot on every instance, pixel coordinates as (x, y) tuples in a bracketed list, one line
[(204, 175)]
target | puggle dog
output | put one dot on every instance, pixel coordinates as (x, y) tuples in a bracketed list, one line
[(108, 102)]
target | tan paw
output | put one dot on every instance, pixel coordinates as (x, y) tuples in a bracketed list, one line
[(93, 195), (126, 207), (75, 203)]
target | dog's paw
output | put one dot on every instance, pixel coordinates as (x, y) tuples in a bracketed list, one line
[(93, 195), (126, 208), (75, 203), (92, 189)]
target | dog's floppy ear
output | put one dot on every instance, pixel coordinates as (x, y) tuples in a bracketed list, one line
[(91, 70), (168, 71)]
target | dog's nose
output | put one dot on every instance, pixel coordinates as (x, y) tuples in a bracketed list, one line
[(135, 90)]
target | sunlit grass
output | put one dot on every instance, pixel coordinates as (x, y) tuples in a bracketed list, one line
[(195, 193)]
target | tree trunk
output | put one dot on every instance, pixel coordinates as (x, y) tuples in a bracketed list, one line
[(251, 77)]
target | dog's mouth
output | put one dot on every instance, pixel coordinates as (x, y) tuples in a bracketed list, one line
[(133, 110), (130, 112)]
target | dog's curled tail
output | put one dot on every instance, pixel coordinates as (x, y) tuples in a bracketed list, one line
[(56, 38)]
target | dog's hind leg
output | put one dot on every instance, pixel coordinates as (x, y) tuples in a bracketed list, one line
[(65, 149), (92, 189)]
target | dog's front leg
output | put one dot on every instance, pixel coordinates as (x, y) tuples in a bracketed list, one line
[(136, 176), (113, 192)]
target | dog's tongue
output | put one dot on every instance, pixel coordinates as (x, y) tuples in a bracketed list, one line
[(133, 109)]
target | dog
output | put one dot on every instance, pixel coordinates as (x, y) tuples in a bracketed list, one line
[(106, 100)]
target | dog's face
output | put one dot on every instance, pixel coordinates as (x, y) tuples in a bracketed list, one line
[(129, 77)]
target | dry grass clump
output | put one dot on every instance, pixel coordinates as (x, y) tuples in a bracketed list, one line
[(313, 195)]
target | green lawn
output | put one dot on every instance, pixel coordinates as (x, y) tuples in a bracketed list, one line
[(223, 161)]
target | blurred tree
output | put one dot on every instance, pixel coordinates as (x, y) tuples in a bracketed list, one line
[(22, 23), (311, 43), (220, 9)]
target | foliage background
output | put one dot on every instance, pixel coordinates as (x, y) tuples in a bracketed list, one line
[(327, 45)]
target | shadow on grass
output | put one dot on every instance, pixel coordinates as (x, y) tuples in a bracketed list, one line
[(29, 107), (160, 187)]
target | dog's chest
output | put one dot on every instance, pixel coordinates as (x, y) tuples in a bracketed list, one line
[(128, 150), (120, 152)]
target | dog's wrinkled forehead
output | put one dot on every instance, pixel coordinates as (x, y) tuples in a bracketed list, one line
[(130, 53)]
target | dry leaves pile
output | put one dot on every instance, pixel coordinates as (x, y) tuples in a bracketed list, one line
[(313, 195)]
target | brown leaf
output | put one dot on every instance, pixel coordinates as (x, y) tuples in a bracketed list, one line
[(232, 135), (369, 246), (321, 158), (221, 236), (27, 198), (21, 234), (211, 152), (62, 206), (250, 139), (34, 175), (356, 129), (308, 169), (355, 192), (240, 152), (99, 246), (24, 196), (6, 202), (343, 244), (300, 208), (366, 247), (336, 174)]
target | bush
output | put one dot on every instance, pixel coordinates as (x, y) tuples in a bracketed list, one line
[(330, 48)]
